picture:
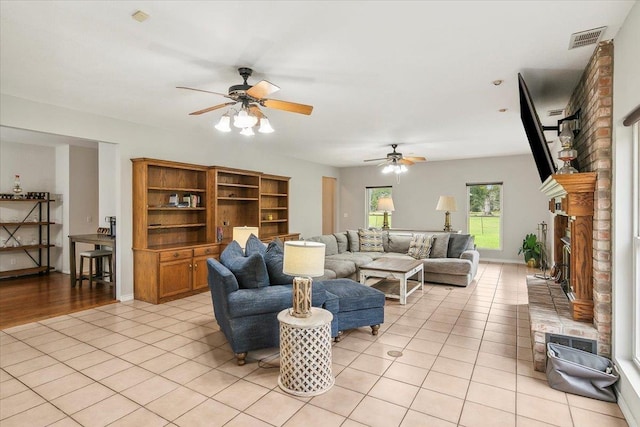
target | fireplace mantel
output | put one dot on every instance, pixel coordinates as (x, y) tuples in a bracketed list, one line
[(571, 199)]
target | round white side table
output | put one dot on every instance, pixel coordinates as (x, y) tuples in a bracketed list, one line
[(305, 353)]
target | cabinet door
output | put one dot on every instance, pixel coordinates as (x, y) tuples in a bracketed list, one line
[(175, 277), (200, 272)]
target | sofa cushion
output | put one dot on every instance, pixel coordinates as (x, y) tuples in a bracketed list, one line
[(359, 258), (420, 246), (272, 299), (342, 267), (354, 240), (274, 259), (354, 296), (458, 243), (329, 240), (250, 271), (343, 242), (232, 251), (439, 244), (399, 243), (370, 240), (254, 245)]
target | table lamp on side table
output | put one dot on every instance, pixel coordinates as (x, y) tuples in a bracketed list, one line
[(385, 204), (303, 260), (447, 204), (242, 234)]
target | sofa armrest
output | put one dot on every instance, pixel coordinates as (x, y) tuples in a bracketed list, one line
[(471, 255)]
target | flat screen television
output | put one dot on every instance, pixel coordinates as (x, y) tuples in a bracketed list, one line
[(534, 130)]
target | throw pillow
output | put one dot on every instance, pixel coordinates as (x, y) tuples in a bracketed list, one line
[(255, 246), (370, 240), (343, 241), (232, 251), (399, 243), (274, 258), (420, 246), (439, 245), (457, 244), (354, 240), (251, 272)]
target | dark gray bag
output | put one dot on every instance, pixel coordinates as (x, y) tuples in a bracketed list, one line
[(579, 372)]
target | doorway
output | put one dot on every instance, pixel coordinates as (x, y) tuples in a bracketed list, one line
[(329, 185)]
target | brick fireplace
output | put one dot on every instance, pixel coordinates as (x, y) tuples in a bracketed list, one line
[(593, 95)]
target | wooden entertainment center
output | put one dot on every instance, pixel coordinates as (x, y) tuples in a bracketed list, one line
[(571, 199), (179, 210)]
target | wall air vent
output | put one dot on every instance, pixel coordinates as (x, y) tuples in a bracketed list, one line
[(558, 112), (586, 38)]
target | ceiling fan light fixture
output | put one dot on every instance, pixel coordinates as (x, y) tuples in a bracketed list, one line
[(265, 126), (248, 131), (242, 120), (224, 123)]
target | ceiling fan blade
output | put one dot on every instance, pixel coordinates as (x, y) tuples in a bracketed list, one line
[(287, 106), (405, 161), (415, 159), (262, 89), (215, 107), (375, 160), (205, 91)]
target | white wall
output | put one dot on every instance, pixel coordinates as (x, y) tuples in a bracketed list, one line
[(626, 96), (206, 148), (416, 196)]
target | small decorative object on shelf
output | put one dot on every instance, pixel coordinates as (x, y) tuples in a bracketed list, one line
[(16, 188), (568, 153)]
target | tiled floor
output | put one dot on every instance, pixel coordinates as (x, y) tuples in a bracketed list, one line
[(466, 360)]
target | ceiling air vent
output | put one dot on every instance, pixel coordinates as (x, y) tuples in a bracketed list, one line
[(558, 112), (586, 38)]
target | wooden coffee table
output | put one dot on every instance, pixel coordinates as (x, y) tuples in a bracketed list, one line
[(400, 269)]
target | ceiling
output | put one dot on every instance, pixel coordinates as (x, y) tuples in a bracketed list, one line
[(414, 73)]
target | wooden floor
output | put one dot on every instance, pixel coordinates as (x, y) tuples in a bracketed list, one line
[(31, 298)]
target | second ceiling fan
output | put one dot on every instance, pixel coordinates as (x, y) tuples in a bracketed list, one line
[(396, 162)]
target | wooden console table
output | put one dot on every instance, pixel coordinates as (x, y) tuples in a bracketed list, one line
[(572, 201)]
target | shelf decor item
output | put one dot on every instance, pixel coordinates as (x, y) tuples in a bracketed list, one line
[(17, 189)]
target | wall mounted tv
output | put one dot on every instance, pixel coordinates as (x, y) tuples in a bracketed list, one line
[(534, 130)]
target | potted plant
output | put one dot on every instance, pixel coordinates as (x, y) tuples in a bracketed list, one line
[(531, 250)]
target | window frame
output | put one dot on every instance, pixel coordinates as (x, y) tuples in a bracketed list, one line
[(367, 199), (635, 293)]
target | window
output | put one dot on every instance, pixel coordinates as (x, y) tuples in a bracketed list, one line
[(484, 216), (374, 216)]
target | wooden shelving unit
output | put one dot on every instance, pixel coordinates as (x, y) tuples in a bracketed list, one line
[(35, 213), (171, 244), (274, 206)]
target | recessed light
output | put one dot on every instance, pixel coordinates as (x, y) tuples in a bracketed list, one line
[(502, 110), (140, 16), (497, 82)]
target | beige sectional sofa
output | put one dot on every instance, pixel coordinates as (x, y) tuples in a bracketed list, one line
[(451, 263)]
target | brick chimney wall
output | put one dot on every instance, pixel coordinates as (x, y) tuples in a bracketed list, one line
[(594, 94)]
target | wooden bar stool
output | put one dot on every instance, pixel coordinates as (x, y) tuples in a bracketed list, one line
[(97, 255)]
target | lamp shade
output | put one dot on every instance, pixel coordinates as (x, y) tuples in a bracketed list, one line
[(446, 203), (385, 204), (241, 234), (302, 258)]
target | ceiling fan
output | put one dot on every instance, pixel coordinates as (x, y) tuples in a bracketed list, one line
[(252, 97), (396, 162)]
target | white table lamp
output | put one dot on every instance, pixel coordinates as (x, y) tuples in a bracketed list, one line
[(303, 260), (385, 204), (447, 204), (241, 234)]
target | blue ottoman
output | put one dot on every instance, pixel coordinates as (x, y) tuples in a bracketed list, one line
[(357, 305)]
